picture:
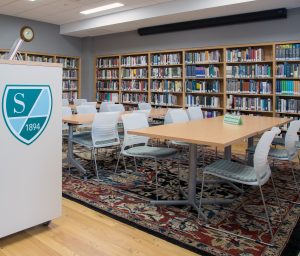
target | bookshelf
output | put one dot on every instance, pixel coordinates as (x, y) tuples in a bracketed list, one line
[(287, 79), (107, 78), (71, 71), (256, 79), (166, 81), (134, 79)]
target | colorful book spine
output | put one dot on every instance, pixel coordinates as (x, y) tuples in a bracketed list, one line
[(166, 86), (287, 105), (249, 86), (134, 98), (202, 101), (166, 59), (134, 61), (202, 86), (204, 72), (107, 85), (135, 85), (107, 96), (107, 74), (287, 52), (107, 62), (288, 70), (249, 71), (247, 54), (247, 103), (203, 57), (130, 73), (287, 87), (165, 99), (170, 72)]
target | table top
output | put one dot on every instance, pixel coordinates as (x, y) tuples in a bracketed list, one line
[(212, 131), (79, 119)]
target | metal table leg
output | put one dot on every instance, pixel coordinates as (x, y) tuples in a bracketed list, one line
[(250, 156), (227, 153), (71, 158)]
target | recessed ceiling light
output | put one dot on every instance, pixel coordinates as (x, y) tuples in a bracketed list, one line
[(31, 0), (102, 8)]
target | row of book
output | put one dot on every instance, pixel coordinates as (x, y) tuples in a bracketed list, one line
[(288, 87), (248, 71), (210, 114), (196, 71), (166, 86), (246, 103), (68, 62), (107, 62), (140, 60), (203, 57), (70, 95), (70, 74), (134, 73), (108, 74), (251, 86), (135, 85), (202, 101), (170, 72), (107, 85), (288, 70), (107, 96), (40, 58), (70, 85), (288, 105), (166, 59), (164, 99), (134, 98), (287, 52), (202, 86), (246, 54)]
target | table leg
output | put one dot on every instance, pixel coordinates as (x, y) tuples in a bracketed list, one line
[(71, 159), (227, 153)]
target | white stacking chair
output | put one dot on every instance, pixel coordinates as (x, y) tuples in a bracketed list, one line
[(78, 102), (137, 146), (116, 107), (104, 106), (195, 113), (167, 119), (104, 134), (146, 112), (66, 111), (86, 109), (243, 174), (144, 106), (65, 102), (289, 153), (89, 103)]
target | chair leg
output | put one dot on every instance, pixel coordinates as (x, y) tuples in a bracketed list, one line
[(266, 212), (156, 178), (95, 162), (276, 195), (135, 165), (295, 179), (124, 163), (200, 202), (118, 162)]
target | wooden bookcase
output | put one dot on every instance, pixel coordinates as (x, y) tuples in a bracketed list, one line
[(241, 79), (71, 86)]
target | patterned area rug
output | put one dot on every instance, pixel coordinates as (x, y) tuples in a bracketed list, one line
[(125, 196)]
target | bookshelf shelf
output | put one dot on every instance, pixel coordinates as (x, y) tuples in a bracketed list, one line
[(228, 73)]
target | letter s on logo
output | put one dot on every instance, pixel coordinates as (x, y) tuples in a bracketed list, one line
[(19, 102)]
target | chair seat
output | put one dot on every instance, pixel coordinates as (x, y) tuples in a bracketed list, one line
[(231, 170), (85, 139), (180, 143), (278, 141), (280, 154), (157, 152)]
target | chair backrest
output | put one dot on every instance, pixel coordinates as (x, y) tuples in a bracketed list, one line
[(131, 122), (89, 103), (143, 111), (292, 137), (179, 116), (116, 108), (78, 102), (167, 119), (65, 102), (104, 106), (104, 129), (260, 159), (144, 106), (195, 113), (66, 111), (86, 109)]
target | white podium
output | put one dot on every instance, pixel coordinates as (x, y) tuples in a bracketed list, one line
[(30, 144)]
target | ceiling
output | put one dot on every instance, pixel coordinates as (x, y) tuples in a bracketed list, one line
[(133, 15)]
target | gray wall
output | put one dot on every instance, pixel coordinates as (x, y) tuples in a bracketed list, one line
[(268, 31), (47, 38)]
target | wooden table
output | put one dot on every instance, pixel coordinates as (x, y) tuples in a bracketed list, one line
[(80, 119), (212, 132)]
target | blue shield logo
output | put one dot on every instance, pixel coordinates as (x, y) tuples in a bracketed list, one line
[(27, 110)]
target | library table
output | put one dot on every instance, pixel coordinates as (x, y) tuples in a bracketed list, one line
[(79, 119), (213, 132)]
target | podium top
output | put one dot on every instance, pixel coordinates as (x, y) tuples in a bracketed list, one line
[(31, 63)]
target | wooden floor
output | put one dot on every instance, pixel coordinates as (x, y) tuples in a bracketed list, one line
[(84, 232)]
